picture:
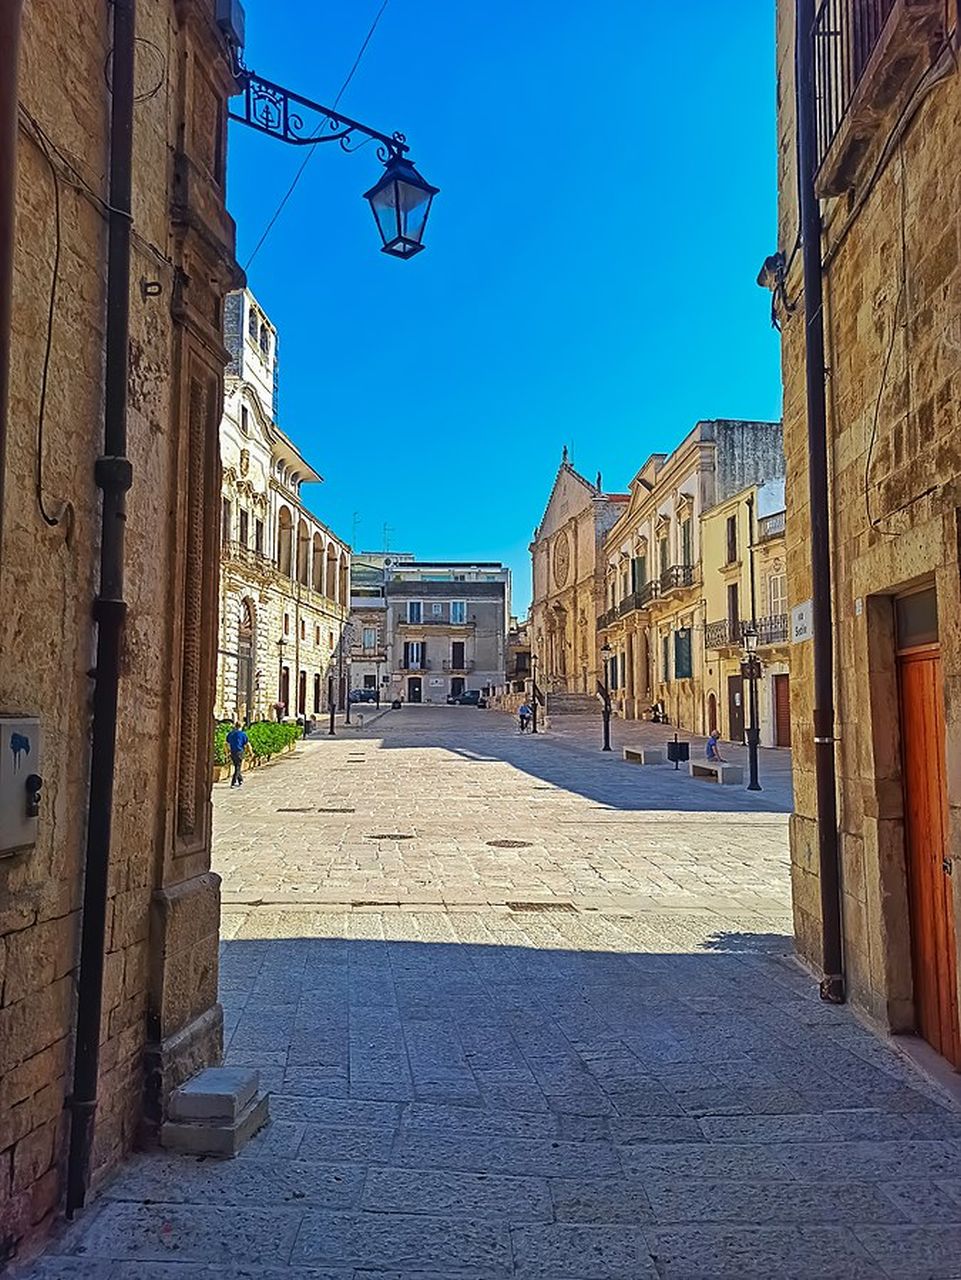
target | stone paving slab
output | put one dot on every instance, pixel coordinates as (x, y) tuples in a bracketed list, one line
[(622, 1075)]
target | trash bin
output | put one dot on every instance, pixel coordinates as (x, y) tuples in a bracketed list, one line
[(678, 752)]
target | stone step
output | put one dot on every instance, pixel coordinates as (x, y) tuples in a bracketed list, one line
[(215, 1113)]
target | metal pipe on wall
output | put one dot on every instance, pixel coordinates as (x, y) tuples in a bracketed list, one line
[(11, 12), (113, 475), (832, 982)]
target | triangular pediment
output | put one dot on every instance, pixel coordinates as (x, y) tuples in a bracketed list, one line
[(570, 495)]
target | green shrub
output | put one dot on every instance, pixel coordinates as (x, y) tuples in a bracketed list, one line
[(266, 739)]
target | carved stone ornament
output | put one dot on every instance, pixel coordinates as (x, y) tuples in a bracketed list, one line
[(244, 461), (562, 560)]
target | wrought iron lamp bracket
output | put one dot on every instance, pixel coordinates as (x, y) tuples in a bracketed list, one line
[(274, 110)]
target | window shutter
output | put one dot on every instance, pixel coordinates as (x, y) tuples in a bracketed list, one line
[(406, 655)]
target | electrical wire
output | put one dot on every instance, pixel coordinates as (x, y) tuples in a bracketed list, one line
[(48, 342), (310, 153)]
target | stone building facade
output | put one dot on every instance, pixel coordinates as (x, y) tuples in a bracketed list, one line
[(745, 583), (160, 1018), (284, 579), (446, 628), (654, 608), (568, 581), (369, 571), (889, 178)]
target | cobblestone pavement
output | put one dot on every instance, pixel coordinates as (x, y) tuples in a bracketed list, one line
[(588, 1058)]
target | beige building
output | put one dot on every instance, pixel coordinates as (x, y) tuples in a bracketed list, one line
[(745, 584), (654, 609), (284, 578), (568, 582), (108, 592), (888, 177)]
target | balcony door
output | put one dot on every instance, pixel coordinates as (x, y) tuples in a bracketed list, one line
[(457, 655)]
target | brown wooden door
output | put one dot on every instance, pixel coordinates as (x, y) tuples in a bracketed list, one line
[(933, 947), (782, 711), (735, 708)]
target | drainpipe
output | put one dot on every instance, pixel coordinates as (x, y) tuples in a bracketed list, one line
[(832, 983), (113, 476), (10, 14)]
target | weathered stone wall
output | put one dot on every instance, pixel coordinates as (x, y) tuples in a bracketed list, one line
[(893, 333), (162, 921)]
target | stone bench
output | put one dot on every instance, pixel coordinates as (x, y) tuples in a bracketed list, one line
[(644, 755), (726, 774)]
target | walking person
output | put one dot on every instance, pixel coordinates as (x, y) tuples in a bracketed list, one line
[(237, 744), (524, 716)]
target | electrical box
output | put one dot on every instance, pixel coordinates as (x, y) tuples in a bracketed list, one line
[(21, 782)]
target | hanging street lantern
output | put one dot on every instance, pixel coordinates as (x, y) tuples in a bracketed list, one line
[(400, 202)]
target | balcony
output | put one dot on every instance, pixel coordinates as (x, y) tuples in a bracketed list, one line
[(772, 526), (423, 665), (868, 57), (367, 602), (240, 553), (773, 630), (428, 620), (724, 634), (678, 575), (728, 633), (463, 668)]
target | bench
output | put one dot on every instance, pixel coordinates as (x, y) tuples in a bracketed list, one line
[(644, 755), (725, 774)]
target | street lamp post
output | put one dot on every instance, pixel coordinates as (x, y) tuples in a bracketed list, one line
[(752, 667), (533, 693), (606, 652), (331, 704), (400, 200), (281, 645)]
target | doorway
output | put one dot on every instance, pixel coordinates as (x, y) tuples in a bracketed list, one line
[(735, 708), (415, 688), (711, 713), (456, 686), (245, 663), (782, 711), (930, 905)]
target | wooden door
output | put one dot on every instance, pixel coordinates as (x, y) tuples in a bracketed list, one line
[(782, 711), (735, 708), (415, 689), (933, 946)]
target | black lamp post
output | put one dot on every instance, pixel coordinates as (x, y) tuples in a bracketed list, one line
[(400, 200), (533, 693), (281, 645), (752, 665), (606, 652)]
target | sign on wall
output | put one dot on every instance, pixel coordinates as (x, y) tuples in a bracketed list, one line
[(802, 622)]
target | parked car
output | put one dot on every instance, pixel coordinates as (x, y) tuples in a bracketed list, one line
[(469, 698), (363, 695)]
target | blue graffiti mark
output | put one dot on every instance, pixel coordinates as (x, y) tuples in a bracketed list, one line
[(20, 746)]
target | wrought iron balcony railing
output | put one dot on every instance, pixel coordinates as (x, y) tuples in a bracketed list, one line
[(845, 35), (465, 666), (678, 575), (722, 634), (772, 630)]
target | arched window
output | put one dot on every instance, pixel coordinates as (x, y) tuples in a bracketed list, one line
[(303, 553), (317, 565), (285, 530), (265, 340), (333, 573), (252, 325)]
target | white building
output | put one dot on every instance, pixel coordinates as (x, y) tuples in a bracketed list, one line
[(284, 582)]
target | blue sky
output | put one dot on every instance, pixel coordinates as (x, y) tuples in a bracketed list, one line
[(607, 176)]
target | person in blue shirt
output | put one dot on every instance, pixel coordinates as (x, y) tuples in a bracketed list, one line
[(711, 750), (237, 744), (524, 715)]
